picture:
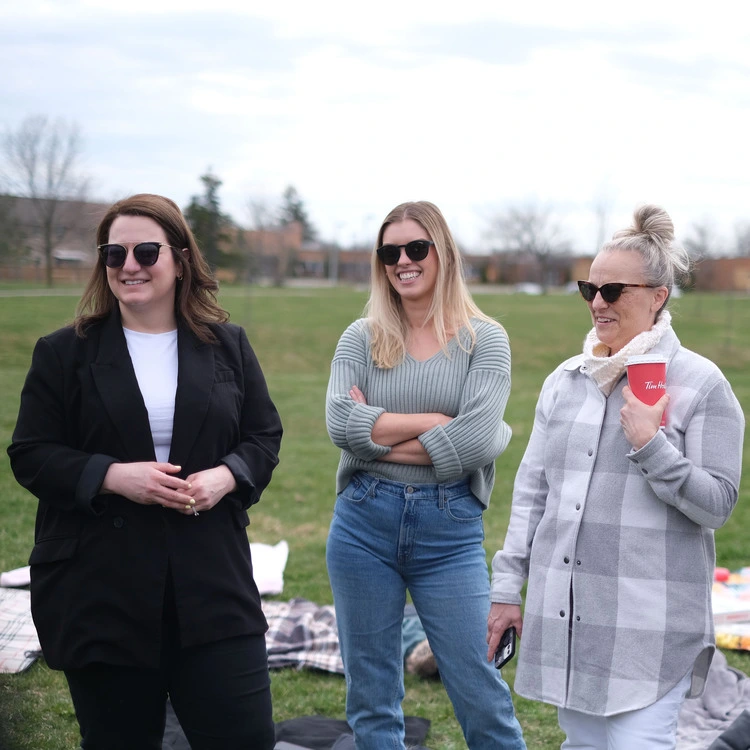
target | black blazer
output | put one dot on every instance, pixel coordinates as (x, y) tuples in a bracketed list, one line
[(101, 563)]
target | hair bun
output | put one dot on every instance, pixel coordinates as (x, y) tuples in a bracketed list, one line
[(655, 223)]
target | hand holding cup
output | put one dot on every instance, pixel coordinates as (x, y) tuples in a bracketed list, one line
[(647, 378)]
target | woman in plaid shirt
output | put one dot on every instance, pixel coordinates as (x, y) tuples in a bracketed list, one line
[(613, 518)]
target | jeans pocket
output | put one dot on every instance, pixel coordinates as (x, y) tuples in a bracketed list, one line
[(464, 508), (355, 491)]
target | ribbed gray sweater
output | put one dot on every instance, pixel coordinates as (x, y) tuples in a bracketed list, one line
[(471, 387)]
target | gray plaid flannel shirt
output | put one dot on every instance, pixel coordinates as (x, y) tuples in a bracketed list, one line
[(618, 545)]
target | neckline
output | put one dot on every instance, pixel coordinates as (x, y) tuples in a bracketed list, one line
[(148, 333), (450, 345)]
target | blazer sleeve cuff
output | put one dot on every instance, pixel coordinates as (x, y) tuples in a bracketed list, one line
[(88, 495), (245, 495)]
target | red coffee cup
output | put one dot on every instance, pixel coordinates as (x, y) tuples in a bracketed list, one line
[(647, 378)]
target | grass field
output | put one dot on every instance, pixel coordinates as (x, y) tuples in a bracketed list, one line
[(294, 332)]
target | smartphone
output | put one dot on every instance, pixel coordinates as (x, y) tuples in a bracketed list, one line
[(506, 649)]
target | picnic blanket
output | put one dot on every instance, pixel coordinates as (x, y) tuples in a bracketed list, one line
[(19, 644), (302, 634), (727, 695), (305, 733)]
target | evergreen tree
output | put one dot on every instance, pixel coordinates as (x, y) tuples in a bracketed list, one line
[(210, 226), (293, 209)]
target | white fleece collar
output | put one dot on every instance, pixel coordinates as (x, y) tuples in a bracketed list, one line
[(604, 370)]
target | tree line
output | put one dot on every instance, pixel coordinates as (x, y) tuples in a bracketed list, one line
[(40, 160)]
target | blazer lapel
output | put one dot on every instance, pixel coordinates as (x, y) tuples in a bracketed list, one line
[(194, 383), (115, 380)]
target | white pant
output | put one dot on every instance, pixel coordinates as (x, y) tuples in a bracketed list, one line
[(650, 728)]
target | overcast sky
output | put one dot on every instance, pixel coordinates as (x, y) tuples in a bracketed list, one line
[(472, 105)]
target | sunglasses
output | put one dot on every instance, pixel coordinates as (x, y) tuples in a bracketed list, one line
[(145, 253), (610, 292), (415, 250)]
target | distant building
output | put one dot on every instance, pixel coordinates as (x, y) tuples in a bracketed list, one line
[(73, 238), (514, 268), (74, 234), (269, 254), (722, 275)]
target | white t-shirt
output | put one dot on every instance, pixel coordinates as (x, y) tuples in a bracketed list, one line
[(154, 357)]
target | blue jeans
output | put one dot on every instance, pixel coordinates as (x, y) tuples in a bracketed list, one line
[(386, 537)]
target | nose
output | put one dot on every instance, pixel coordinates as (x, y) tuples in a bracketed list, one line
[(131, 265), (598, 302), (403, 258)]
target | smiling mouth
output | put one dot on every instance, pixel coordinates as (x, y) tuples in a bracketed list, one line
[(409, 275)]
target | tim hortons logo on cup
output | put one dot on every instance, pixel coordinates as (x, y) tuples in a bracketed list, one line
[(647, 377)]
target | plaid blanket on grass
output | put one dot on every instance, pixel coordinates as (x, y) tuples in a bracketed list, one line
[(19, 645), (302, 634)]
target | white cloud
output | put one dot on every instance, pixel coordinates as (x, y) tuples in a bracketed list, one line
[(472, 106)]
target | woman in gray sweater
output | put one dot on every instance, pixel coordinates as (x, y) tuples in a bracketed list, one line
[(613, 518), (415, 402)]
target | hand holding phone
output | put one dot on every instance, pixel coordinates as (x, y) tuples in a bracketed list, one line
[(506, 649)]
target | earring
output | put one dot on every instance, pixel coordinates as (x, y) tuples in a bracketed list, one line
[(179, 278)]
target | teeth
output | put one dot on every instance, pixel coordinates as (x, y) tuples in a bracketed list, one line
[(409, 275), (133, 283)]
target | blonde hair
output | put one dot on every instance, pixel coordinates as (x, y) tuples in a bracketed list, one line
[(195, 299), (451, 308), (665, 262)]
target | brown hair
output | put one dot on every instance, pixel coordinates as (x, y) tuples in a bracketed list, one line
[(195, 299)]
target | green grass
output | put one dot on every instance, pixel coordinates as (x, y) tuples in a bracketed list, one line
[(294, 333)]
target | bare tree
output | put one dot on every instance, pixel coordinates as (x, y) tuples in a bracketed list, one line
[(742, 239), (602, 207), (13, 244), (41, 160), (262, 221), (531, 230), (261, 213), (702, 242)]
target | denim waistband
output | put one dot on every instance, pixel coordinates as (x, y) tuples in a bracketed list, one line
[(413, 489)]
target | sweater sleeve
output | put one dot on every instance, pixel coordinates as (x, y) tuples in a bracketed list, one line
[(478, 434), (349, 423), (704, 482)]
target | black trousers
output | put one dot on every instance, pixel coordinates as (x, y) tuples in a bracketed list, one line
[(220, 692)]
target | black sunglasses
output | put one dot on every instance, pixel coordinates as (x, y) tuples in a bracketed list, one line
[(415, 250), (610, 292), (146, 253)]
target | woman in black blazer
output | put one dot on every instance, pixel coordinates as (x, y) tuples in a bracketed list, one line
[(146, 431)]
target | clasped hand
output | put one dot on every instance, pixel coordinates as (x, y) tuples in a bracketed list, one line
[(154, 483)]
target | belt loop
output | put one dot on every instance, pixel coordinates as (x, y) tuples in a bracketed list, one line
[(441, 495)]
